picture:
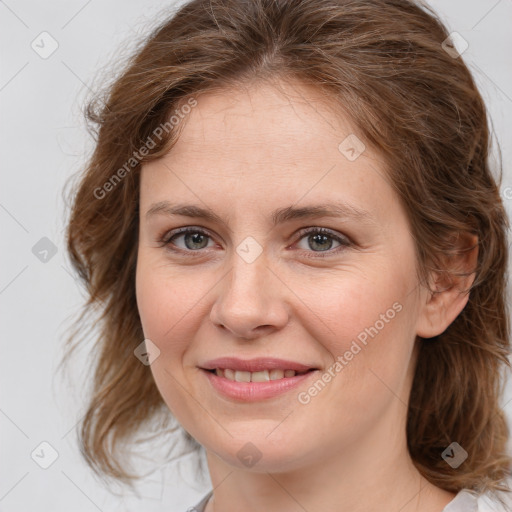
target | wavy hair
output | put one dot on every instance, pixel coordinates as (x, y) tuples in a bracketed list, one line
[(384, 63)]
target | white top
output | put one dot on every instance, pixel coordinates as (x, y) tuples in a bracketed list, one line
[(464, 501)]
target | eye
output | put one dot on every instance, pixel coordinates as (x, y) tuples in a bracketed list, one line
[(321, 240), (193, 238)]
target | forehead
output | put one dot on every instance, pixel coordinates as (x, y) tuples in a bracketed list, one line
[(267, 116), (277, 144)]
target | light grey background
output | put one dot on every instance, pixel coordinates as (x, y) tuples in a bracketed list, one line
[(43, 142)]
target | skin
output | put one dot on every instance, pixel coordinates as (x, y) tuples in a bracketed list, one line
[(243, 153)]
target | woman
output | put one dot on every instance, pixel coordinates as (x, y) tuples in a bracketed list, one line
[(299, 251)]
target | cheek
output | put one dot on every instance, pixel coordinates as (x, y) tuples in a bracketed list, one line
[(355, 304), (369, 341), (366, 314), (166, 308), (166, 305), (367, 310)]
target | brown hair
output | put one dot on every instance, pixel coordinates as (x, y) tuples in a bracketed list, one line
[(384, 63)]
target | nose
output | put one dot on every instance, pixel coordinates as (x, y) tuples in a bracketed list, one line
[(251, 301)]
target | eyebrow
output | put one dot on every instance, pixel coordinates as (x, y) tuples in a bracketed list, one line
[(281, 215)]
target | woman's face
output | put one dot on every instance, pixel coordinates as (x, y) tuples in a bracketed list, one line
[(259, 282)]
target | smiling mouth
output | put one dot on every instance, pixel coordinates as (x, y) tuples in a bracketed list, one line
[(260, 376)]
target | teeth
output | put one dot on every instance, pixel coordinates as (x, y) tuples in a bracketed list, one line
[(242, 376), (276, 374), (262, 376)]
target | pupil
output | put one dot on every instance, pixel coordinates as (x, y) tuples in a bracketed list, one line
[(320, 237), (196, 237), (317, 239)]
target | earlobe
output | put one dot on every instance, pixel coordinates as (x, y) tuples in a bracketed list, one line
[(449, 289)]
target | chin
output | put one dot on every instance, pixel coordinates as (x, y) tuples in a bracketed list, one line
[(260, 454)]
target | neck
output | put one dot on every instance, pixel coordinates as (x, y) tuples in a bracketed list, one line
[(371, 476)]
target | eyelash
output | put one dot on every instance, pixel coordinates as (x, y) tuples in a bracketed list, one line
[(165, 240)]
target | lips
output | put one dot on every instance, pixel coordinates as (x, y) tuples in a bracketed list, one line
[(255, 379), (261, 376), (256, 365)]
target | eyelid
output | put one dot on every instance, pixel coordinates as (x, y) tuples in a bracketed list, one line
[(343, 240), (167, 236), (319, 229)]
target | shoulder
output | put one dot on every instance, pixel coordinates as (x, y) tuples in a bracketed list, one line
[(496, 501), (199, 507), (465, 501)]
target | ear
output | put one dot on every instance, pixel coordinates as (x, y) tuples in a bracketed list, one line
[(441, 307)]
